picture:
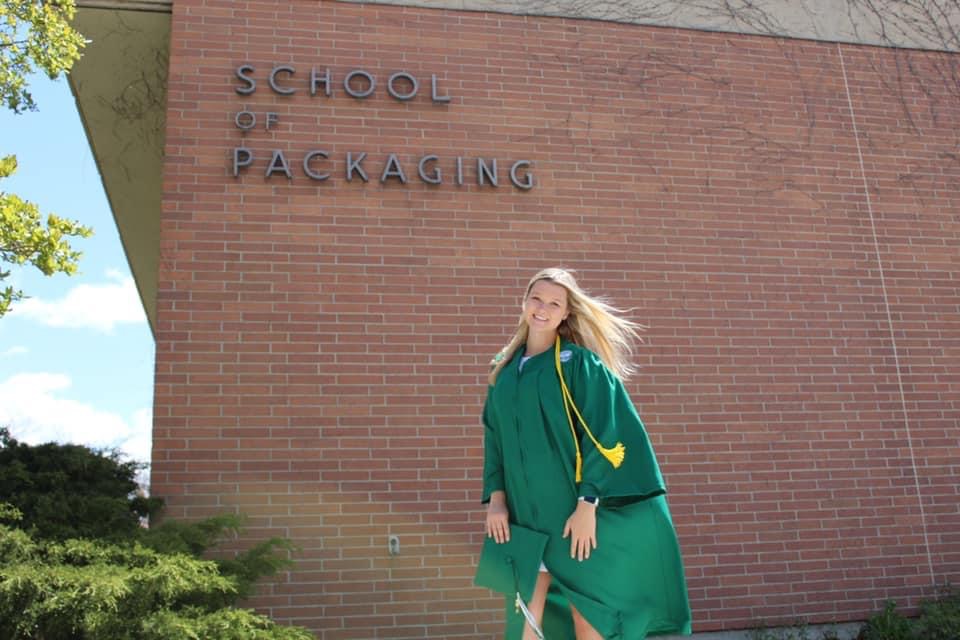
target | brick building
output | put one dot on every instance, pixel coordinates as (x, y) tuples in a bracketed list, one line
[(327, 274)]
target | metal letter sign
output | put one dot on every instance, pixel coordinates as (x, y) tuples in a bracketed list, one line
[(317, 165)]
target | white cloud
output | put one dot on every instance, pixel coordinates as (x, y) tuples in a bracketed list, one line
[(13, 351), (97, 306), (32, 406)]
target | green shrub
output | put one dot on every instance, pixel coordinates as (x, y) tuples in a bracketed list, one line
[(887, 625), (77, 564), (940, 617), (197, 538), (95, 590), (66, 491), (225, 624), (939, 620), (70, 491)]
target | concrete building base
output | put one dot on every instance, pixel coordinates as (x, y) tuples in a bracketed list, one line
[(844, 631)]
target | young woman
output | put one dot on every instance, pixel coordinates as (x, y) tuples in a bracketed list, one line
[(566, 454)]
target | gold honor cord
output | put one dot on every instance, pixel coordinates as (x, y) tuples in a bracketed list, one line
[(614, 455)]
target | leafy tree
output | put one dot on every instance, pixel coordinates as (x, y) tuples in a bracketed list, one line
[(69, 491), (77, 564), (34, 34), (92, 590)]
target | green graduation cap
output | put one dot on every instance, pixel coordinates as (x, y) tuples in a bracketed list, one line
[(512, 567)]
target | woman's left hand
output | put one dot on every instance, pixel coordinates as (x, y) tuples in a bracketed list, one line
[(581, 526)]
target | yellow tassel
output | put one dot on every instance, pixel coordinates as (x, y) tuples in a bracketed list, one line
[(615, 455)]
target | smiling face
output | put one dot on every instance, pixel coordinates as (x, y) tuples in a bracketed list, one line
[(545, 307)]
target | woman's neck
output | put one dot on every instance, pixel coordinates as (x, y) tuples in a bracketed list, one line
[(537, 343)]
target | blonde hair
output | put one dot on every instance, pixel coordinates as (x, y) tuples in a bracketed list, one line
[(592, 323)]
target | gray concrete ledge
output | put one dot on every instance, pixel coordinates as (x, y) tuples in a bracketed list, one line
[(885, 23), (160, 6), (844, 631)]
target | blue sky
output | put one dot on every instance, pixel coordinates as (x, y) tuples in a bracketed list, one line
[(76, 359)]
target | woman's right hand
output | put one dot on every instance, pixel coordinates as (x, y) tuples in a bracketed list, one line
[(498, 518)]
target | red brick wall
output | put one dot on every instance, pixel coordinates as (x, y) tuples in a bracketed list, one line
[(322, 346)]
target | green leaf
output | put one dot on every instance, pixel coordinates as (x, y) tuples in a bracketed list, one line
[(25, 238), (35, 35)]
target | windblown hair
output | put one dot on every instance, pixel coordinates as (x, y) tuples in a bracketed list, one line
[(592, 323)]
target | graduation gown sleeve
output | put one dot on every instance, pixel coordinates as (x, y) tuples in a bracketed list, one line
[(608, 410), (492, 454)]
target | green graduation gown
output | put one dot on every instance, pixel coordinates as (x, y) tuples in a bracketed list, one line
[(632, 585)]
